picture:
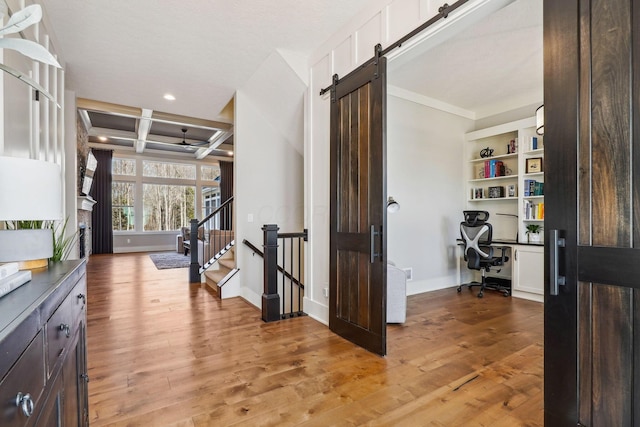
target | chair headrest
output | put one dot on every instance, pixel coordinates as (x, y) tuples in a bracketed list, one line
[(475, 218)]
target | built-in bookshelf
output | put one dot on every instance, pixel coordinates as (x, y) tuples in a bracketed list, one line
[(504, 168)]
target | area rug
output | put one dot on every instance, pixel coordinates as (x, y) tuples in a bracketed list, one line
[(164, 260)]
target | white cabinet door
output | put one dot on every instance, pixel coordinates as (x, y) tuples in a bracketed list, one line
[(528, 269)]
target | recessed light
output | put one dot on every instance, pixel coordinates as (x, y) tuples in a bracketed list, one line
[(169, 97), (230, 153), (103, 138)]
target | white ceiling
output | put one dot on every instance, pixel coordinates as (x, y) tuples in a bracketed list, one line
[(494, 66), (132, 52)]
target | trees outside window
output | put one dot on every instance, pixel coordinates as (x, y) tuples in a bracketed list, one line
[(122, 205), (167, 207), (166, 193)]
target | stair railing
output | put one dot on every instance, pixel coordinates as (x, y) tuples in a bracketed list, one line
[(210, 239), (283, 273)]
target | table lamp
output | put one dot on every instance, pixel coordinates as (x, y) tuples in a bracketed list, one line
[(30, 190)]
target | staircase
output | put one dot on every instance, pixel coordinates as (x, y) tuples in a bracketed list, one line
[(220, 272)]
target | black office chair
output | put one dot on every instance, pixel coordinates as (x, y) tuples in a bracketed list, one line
[(476, 234)]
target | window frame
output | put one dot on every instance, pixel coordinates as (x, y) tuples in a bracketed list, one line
[(140, 180)]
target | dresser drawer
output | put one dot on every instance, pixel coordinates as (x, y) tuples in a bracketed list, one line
[(21, 388), (63, 325)]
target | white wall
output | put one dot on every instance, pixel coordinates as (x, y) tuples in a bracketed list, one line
[(424, 157), (269, 135)]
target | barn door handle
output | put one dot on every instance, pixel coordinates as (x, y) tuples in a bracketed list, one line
[(372, 251), (556, 280)]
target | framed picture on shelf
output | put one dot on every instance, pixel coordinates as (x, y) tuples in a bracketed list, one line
[(534, 165), (477, 193), (512, 190)]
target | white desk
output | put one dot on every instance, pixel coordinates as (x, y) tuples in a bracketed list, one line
[(525, 268)]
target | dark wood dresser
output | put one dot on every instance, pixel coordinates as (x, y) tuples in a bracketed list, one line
[(43, 364)]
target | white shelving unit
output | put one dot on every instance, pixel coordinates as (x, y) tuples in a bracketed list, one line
[(507, 213)]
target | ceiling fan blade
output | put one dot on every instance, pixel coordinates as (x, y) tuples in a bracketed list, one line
[(198, 144), (184, 146)]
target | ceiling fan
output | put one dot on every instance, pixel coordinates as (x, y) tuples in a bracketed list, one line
[(184, 142)]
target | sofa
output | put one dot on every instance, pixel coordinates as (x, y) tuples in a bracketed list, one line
[(396, 294), (208, 247)]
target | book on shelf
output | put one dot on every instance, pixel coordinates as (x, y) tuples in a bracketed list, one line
[(14, 281), (8, 269), (493, 168), (533, 210), (533, 143), (533, 188)]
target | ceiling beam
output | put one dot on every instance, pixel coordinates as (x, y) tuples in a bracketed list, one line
[(216, 141), (144, 124), (112, 133), (107, 107), (190, 121)]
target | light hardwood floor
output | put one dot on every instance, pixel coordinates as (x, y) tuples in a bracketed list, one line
[(165, 353)]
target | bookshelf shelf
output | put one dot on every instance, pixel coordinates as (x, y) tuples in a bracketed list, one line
[(533, 175), (502, 140), (493, 199), (497, 178), (499, 157)]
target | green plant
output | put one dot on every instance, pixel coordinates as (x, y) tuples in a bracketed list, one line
[(534, 228), (61, 245), (25, 225)]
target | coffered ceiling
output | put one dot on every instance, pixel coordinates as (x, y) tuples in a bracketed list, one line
[(131, 53), (144, 130)]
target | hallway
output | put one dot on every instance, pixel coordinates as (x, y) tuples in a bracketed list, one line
[(162, 352)]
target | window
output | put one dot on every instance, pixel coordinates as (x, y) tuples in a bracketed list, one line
[(166, 193), (167, 207), (210, 173), (153, 169), (210, 202), (122, 205), (125, 167)]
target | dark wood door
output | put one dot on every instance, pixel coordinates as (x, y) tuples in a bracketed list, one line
[(357, 303), (592, 197)]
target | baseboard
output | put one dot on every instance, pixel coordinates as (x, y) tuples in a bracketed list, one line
[(316, 311), (250, 296), (421, 286), (130, 249), (528, 295)]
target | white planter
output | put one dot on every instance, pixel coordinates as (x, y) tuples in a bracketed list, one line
[(534, 237)]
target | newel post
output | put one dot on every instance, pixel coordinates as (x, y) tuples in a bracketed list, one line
[(194, 267), (270, 297)]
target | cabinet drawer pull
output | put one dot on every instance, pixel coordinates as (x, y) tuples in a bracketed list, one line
[(83, 298), (25, 402), (66, 329)]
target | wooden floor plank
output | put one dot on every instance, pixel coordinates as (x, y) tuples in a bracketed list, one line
[(163, 352)]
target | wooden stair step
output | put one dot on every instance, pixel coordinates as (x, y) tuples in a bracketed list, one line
[(229, 263), (216, 275)]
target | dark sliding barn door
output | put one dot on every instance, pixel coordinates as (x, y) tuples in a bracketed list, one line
[(592, 197), (358, 210)]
